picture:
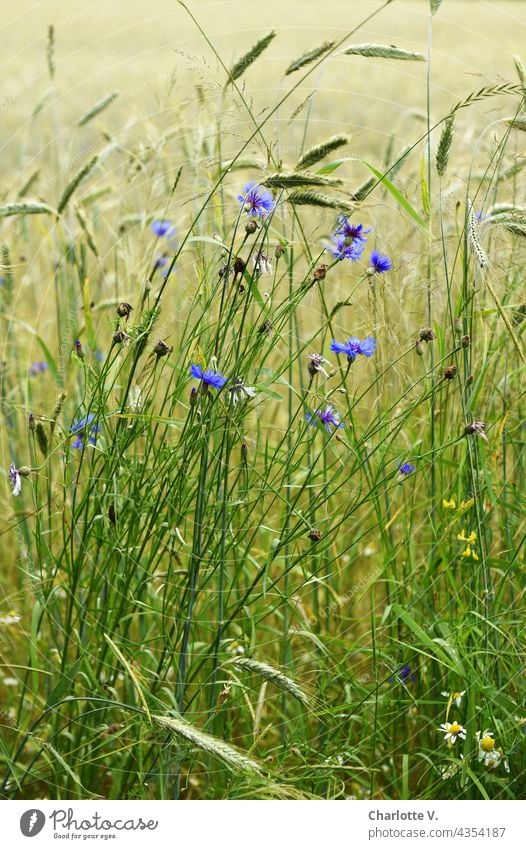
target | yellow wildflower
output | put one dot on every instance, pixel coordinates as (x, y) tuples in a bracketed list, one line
[(466, 504), (470, 552), (471, 539), (449, 504)]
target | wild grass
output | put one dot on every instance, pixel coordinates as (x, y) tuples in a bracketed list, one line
[(213, 590)]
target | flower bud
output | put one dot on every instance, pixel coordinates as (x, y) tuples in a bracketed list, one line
[(251, 227)]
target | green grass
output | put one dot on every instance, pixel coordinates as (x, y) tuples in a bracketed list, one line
[(215, 599)]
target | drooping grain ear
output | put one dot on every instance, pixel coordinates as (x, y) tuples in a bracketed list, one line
[(249, 58)]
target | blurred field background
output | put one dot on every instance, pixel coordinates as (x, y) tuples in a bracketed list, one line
[(388, 615)]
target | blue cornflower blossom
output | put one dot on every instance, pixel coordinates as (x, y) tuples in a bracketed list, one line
[(256, 200), (354, 346), (82, 425), (162, 227), (38, 368), (404, 674), (352, 232), (328, 418), (379, 263), (342, 249), (208, 377), (161, 260), (348, 240), (406, 469)]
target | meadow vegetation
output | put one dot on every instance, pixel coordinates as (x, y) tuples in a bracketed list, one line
[(262, 407)]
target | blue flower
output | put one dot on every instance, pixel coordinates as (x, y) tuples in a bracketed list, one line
[(404, 673), (256, 200), (341, 249), (406, 469), (161, 260), (328, 417), (351, 232), (379, 263), (38, 368), (348, 240), (162, 227), (208, 377), (354, 346), (80, 426)]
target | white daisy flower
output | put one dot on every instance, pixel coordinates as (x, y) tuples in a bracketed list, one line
[(452, 730), (488, 753), (455, 696)]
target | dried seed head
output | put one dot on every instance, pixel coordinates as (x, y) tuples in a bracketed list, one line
[(450, 372), (239, 265), (162, 349), (315, 363), (119, 337), (320, 272), (426, 334), (477, 429), (465, 341), (315, 535), (266, 327), (124, 310)]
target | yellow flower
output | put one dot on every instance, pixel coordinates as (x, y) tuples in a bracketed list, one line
[(470, 552), (471, 539), (465, 505), (449, 505)]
